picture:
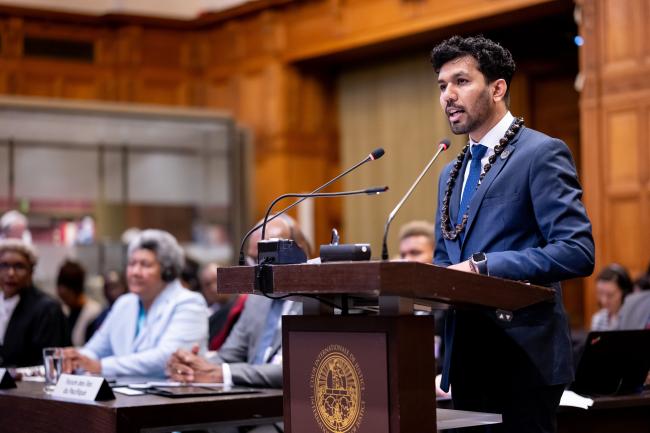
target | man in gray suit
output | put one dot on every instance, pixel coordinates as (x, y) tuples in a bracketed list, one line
[(252, 353), (635, 312)]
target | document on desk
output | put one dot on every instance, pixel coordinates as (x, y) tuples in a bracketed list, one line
[(570, 398), (127, 391)]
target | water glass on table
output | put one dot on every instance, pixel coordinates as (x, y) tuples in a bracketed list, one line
[(53, 363)]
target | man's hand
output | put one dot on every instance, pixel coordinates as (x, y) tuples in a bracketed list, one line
[(188, 366), (73, 360), (462, 266)]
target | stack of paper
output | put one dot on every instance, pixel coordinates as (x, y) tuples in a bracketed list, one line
[(570, 398)]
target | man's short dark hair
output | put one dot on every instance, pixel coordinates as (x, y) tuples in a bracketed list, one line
[(72, 276), (493, 60)]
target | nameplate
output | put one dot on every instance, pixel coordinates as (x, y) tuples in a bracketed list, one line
[(6, 381), (84, 388)]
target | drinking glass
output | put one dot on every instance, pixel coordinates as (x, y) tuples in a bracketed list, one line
[(53, 363)]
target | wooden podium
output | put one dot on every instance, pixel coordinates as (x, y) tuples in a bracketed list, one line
[(370, 369)]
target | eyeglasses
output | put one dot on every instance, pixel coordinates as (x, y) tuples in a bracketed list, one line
[(17, 267)]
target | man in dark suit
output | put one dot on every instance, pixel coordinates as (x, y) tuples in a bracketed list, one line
[(509, 206), (30, 320)]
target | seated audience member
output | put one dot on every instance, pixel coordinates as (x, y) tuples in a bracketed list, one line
[(190, 275), (81, 311), (224, 309), (416, 241), (30, 320), (13, 225), (114, 287), (635, 312), (612, 286), (252, 354), (145, 326)]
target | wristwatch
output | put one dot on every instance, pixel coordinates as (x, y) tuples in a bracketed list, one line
[(478, 263)]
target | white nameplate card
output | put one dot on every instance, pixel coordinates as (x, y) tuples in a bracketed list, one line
[(84, 388), (6, 381)]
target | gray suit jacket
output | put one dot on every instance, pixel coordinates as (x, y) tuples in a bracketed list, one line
[(241, 345), (635, 311)]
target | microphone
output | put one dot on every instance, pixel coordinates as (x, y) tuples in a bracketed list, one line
[(374, 155), (442, 146), (369, 191)]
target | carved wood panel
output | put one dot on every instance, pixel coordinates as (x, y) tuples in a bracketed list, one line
[(614, 127)]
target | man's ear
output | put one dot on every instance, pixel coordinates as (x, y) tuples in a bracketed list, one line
[(499, 89)]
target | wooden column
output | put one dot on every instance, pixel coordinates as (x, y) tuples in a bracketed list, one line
[(615, 119)]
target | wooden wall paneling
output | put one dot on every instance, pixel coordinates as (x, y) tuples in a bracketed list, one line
[(643, 261), (622, 152), (557, 116), (223, 46), (52, 78), (594, 196), (47, 28), (251, 112), (622, 25), (645, 40), (310, 123), (220, 92), (624, 203), (37, 82), (125, 60), (520, 97), (164, 49), (161, 86), (4, 78), (614, 121), (158, 62), (645, 149), (325, 27), (624, 219), (591, 142)]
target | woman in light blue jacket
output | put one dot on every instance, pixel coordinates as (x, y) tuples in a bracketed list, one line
[(148, 324)]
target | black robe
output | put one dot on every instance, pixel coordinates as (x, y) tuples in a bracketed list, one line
[(37, 322)]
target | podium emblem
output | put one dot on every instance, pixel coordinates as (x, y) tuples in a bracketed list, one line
[(337, 390)]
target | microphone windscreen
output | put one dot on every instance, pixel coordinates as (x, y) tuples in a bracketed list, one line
[(377, 153), (445, 143)]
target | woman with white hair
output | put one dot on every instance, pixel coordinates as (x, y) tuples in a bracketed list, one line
[(145, 326)]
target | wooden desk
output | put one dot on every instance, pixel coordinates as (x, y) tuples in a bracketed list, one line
[(29, 409), (625, 413)]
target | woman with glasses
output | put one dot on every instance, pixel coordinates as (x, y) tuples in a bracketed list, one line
[(30, 320)]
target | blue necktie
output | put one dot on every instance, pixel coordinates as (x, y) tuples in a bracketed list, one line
[(269, 331), (477, 151)]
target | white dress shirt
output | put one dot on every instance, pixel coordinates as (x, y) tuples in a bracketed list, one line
[(490, 140), (7, 307)]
